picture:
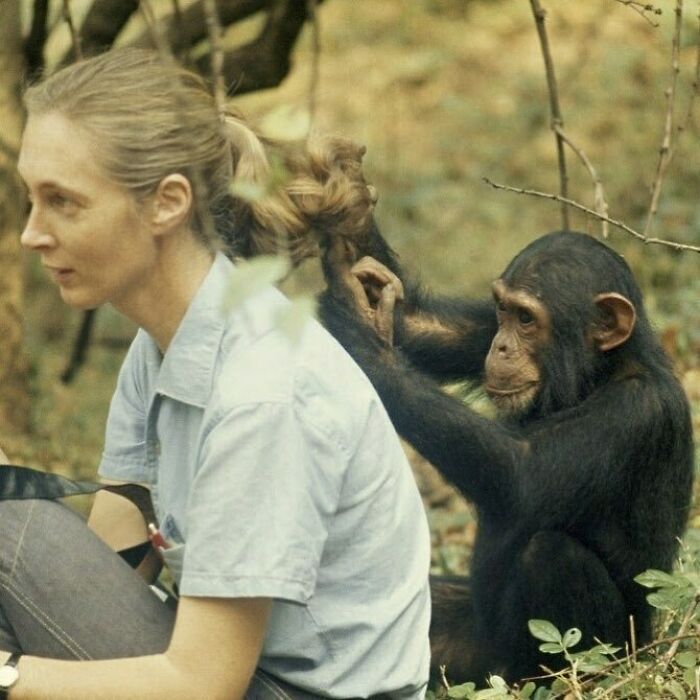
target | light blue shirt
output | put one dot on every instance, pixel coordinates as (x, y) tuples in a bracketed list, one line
[(275, 472)]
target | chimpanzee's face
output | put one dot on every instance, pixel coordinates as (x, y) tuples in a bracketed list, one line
[(513, 374)]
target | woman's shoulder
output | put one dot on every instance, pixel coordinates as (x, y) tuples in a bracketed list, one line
[(271, 354)]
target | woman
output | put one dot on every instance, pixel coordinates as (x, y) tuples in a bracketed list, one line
[(287, 514)]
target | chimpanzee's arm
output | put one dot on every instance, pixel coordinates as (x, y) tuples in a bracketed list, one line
[(476, 454), (445, 337)]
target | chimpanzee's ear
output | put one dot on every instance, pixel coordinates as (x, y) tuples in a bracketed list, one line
[(618, 317)]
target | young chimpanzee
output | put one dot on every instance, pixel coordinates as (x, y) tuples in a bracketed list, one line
[(582, 483)]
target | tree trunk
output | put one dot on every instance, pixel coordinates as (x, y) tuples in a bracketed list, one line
[(14, 398)]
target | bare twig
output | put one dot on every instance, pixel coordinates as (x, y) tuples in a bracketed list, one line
[(695, 84), (75, 38), (34, 43), (666, 150), (557, 121), (311, 10), (217, 55), (687, 618), (601, 205), (443, 677), (178, 24), (157, 37), (588, 210), (645, 9)]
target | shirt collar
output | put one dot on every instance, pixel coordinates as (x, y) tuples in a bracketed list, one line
[(187, 368)]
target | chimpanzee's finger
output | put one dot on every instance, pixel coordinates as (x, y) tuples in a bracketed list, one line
[(372, 273), (384, 316)]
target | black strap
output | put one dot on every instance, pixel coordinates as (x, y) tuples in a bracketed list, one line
[(19, 483)]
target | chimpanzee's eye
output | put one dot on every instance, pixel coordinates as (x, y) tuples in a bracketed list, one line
[(525, 317)]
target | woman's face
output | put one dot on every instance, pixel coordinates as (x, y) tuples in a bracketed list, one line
[(91, 234)]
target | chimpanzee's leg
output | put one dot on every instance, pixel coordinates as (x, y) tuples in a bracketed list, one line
[(560, 580), (452, 641)]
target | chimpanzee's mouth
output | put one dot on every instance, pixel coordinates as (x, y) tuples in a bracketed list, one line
[(497, 391)]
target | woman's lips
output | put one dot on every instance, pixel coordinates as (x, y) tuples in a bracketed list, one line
[(60, 274)]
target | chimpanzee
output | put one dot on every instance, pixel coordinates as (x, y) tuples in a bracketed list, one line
[(584, 480)]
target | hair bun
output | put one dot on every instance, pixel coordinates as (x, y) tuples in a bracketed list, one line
[(335, 198)]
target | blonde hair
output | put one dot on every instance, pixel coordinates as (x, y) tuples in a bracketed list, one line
[(149, 117)]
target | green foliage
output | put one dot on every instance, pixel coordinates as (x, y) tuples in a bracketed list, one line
[(667, 668)]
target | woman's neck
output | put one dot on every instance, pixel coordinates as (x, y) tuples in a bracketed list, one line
[(160, 303)]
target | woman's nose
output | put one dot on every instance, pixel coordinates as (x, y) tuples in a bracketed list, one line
[(34, 235)]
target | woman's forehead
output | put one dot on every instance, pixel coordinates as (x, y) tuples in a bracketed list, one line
[(57, 150)]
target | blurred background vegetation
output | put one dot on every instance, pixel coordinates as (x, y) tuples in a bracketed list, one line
[(445, 93)]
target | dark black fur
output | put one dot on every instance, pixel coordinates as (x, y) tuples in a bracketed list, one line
[(586, 490)]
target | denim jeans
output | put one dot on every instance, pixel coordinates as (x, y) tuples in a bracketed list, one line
[(64, 594)]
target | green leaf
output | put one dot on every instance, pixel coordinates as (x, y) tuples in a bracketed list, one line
[(593, 663), (498, 683), (291, 319), (689, 676), (527, 690), (551, 648), (560, 686), (571, 637), (287, 123), (668, 598), (543, 694), (608, 649), (544, 630), (653, 578), (492, 694), (252, 276), (686, 659), (465, 690), (676, 689), (248, 190)]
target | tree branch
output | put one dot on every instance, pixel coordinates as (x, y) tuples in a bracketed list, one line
[(264, 62), (75, 38), (184, 29), (644, 9), (104, 21), (592, 212), (601, 205), (695, 84), (34, 43), (666, 150), (311, 9), (557, 121), (216, 56)]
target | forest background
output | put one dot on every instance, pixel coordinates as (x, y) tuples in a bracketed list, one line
[(444, 93)]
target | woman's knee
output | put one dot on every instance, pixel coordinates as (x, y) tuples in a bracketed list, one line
[(29, 525)]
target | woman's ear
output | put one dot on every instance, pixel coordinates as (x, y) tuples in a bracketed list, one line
[(618, 319), (172, 203)]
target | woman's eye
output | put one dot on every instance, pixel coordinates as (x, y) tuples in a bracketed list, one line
[(58, 200), (64, 204), (525, 317)]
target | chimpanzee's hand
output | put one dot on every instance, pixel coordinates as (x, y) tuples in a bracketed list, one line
[(367, 285), (382, 289)]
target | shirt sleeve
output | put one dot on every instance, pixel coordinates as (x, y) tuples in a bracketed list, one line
[(259, 509), (123, 457)]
